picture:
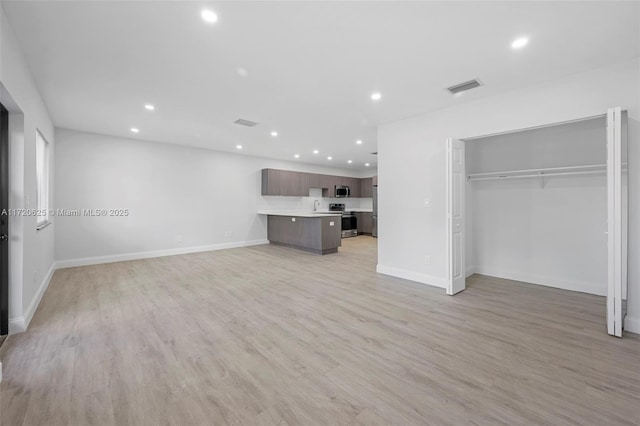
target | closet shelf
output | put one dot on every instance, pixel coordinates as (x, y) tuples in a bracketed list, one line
[(545, 172)]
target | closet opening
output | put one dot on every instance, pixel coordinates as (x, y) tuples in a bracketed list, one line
[(534, 207)]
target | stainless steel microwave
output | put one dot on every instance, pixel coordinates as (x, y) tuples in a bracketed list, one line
[(342, 191)]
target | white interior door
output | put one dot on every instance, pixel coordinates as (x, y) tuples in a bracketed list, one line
[(614, 222), (455, 215)]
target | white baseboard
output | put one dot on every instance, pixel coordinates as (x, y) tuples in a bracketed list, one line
[(20, 324), (581, 286), (412, 276), (632, 324), (17, 325), (470, 270), (85, 261)]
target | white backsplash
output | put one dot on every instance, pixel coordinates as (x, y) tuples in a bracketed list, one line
[(366, 203), (306, 203)]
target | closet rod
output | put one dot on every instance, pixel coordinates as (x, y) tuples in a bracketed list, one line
[(547, 169), (586, 172)]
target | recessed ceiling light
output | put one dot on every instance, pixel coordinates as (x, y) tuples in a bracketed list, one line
[(329, 158), (376, 96), (519, 43), (149, 107), (242, 72), (315, 151), (135, 129), (297, 155), (349, 161), (366, 164), (209, 16), (359, 142), (274, 134), (239, 146)]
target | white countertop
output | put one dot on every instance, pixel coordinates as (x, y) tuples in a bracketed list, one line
[(298, 213), (349, 211)]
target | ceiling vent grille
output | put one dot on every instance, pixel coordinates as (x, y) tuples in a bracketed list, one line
[(243, 122), (467, 85)]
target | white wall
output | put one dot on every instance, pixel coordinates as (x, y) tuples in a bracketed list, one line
[(31, 251), (547, 232), (180, 199), (412, 161)]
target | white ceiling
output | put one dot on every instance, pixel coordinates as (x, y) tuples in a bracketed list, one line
[(312, 66)]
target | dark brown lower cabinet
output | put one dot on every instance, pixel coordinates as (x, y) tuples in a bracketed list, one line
[(365, 222), (320, 235)]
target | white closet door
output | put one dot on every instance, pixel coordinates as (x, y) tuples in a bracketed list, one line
[(614, 222), (455, 215)]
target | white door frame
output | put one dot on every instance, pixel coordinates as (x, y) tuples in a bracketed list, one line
[(615, 252), (456, 183)]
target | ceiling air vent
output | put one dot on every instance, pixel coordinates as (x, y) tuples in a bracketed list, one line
[(467, 85), (243, 122)]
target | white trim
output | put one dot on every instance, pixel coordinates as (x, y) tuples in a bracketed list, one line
[(17, 325), (470, 270), (632, 324), (581, 286), (85, 261), (614, 222), (20, 324), (456, 190), (412, 276), (542, 126), (42, 225), (16, 201)]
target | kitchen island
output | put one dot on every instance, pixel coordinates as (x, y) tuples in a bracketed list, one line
[(314, 232)]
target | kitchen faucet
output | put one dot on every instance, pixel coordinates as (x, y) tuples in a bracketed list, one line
[(315, 206)]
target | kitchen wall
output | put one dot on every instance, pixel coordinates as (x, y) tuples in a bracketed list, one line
[(306, 203), (31, 252), (549, 231), (179, 199), (412, 159)]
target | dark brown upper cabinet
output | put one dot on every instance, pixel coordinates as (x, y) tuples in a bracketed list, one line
[(297, 184), (366, 188)]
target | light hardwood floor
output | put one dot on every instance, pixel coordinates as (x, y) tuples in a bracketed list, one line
[(270, 335)]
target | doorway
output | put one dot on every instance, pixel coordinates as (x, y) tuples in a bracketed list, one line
[(545, 206), (4, 221)]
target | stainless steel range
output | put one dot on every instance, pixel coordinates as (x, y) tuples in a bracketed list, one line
[(349, 220)]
